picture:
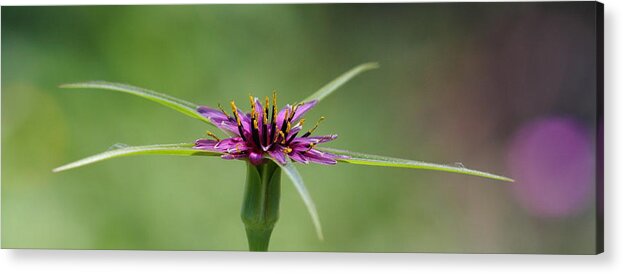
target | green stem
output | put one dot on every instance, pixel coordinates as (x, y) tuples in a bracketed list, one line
[(260, 206)]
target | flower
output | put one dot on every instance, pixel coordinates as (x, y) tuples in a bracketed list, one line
[(255, 137), (264, 132)]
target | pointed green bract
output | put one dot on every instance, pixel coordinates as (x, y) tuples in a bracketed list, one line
[(339, 81), (180, 105), (185, 149), (375, 160), (297, 180)]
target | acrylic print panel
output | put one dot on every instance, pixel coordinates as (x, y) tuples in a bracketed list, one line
[(442, 127)]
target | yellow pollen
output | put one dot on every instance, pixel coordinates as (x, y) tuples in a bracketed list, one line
[(255, 123), (288, 127), (287, 150), (293, 111), (283, 137), (277, 136), (311, 146), (213, 136), (317, 123), (237, 147), (274, 99), (302, 122), (252, 101), (266, 111), (235, 111)]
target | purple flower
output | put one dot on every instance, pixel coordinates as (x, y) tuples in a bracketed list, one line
[(266, 133), (254, 137), (554, 164)]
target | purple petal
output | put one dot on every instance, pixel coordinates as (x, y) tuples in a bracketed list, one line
[(298, 157), (282, 115), (320, 157), (323, 139), (313, 139), (212, 113), (302, 109), (233, 156), (295, 129), (219, 119), (241, 149), (232, 145), (245, 119), (256, 157), (338, 156), (206, 144), (229, 143), (278, 155)]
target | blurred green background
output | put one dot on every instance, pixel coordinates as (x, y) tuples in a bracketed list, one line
[(456, 84)]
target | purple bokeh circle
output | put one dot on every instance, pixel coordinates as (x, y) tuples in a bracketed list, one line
[(553, 165)]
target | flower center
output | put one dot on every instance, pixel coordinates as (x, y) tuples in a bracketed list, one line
[(264, 127)]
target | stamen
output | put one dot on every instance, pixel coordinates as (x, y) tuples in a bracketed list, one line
[(253, 114), (252, 100), (273, 124), (254, 124), (294, 108), (213, 136), (265, 122), (255, 133), (283, 137), (287, 150), (235, 110), (266, 111), (276, 136), (223, 111), (314, 128), (285, 120), (300, 124), (265, 134), (311, 146), (291, 138), (288, 119)]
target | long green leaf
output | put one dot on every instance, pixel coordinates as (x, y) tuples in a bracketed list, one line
[(339, 81), (297, 180), (374, 160), (180, 105), (169, 149)]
